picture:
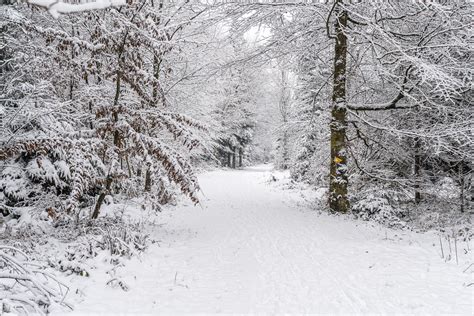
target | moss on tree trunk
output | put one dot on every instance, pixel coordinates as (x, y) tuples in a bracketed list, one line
[(338, 201)]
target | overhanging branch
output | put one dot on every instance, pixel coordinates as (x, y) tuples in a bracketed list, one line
[(58, 7), (391, 105)]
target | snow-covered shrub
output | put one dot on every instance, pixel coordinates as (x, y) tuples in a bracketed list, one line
[(78, 257), (119, 237), (26, 287), (442, 217), (379, 210), (122, 239), (58, 181), (113, 238)]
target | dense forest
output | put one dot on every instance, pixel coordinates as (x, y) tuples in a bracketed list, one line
[(111, 110)]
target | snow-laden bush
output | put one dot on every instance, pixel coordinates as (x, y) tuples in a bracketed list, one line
[(122, 239), (71, 131), (26, 287), (111, 239), (443, 217), (379, 210)]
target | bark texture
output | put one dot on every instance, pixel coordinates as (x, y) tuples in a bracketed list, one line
[(338, 200)]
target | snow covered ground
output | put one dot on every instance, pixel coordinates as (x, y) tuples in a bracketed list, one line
[(255, 248)]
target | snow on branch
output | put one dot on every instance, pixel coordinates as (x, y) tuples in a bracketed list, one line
[(58, 7), (25, 287), (391, 105)]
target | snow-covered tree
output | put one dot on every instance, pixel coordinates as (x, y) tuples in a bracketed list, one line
[(101, 123), (400, 90), (235, 118)]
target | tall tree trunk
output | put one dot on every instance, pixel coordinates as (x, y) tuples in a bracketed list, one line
[(148, 180), (71, 77), (284, 104), (3, 70), (233, 157), (285, 154), (461, 184), (157, 100), (417, 171), (241, 153), (338, 201), (109, 179), (470, 190)]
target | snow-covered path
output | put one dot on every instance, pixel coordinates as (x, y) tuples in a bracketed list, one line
[(254, 248)]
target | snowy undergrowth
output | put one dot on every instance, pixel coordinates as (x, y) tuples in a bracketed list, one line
[(27, 286), (450, 230), (61, 249)]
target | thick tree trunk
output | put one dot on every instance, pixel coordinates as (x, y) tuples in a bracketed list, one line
[(229, 159), (338, 201)]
